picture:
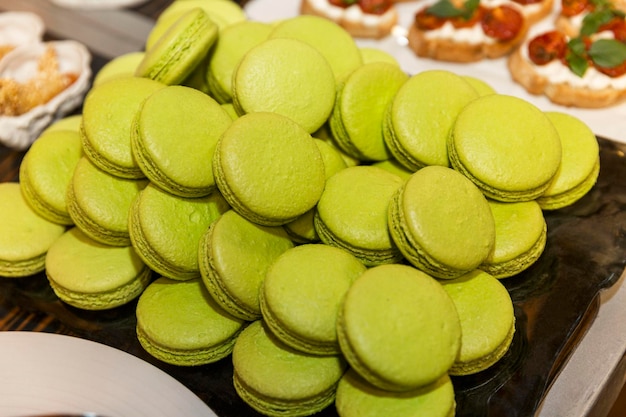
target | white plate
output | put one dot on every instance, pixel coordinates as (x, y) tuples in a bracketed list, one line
[(97, 4), (45, 373), (608, 122)]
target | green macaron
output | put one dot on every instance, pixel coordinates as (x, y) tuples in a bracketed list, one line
[(94, 276), (234, 255), (268, 168), (276, 380), (360, 108), (441, 222), (288, 77), (398, 328), (98, 203), (180, 49), (173, 139), (302, 293), (487, 320), (179, 323), (166, 229), (580, 163), (358, 398), (352, 213), (373, 54), (421, 115), (507, 146), (25, 236), (46, 172), (108, 113), (521, 234), (120, 66)]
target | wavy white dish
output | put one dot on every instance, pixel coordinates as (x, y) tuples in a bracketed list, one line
[(44, 373), (608, 122)]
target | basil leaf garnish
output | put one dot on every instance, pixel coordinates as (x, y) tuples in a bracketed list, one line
[(608, 53), (445, 8)]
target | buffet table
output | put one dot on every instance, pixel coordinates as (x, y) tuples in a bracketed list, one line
[(568, 358)]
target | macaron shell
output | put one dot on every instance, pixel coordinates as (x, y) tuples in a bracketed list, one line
[(177, 124), (179, 323), (268, 168), (25, 237), (71, 122), (180, 49), (421, 116), (302, 293), (580, 162), (521, 234), (487, 321), (398, 328), (372, 54), (46, 172), (442, 223), (99, 203), (234, 257), (357, 398), (277, 380), (288, 77), (121, 66), (506, 146), (362, 100), (166, 230), (94, 276), (108, 114)]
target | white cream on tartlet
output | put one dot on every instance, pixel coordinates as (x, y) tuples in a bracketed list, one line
[(352, 13)]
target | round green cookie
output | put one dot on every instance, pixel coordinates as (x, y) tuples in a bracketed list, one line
[(234, 256), (46, 172), (94, 276), (268, 168), (166, 230), (506, 146), (487, 321), (398, 328), (580, 163), (121, 66), (173, 139), (25, 237), (108, 114), (358, 398), (441, 222), (287, 77), (302, 293), (180, 324), (276, 380), (352, 213), (421, 115)]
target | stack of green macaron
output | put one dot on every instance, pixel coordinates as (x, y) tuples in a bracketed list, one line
[(342, 240)]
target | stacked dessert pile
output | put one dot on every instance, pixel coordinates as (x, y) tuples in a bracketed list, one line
[(275, 196)]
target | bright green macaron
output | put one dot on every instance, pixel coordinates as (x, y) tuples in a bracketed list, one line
[(180, 49), (173, 139), (441, 222), (25, 236), (276, 380), (166, 229), (487, 320), (360, 108), (71, 122), (108, 114), (234, 255), (330, 39), (398, 328), (302, 293), (233, 43), (507, 146), (46, 172), (288, 77), (98, 203), (268, 168), (352, 213), (121, 66), (421, 115), (580, 163), (179, 323), (521, 233), (358, 398), (94, 276), (373, 54)]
